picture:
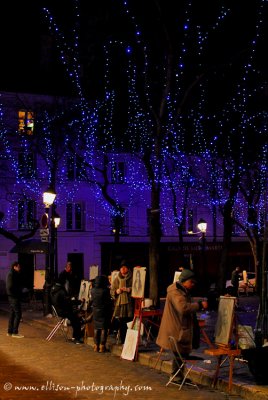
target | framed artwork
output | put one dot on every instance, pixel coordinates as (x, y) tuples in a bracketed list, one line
[(224, 324), (176, 276), (84, 294), (138, 282), (130, 345), (93, 271), (39, 279)]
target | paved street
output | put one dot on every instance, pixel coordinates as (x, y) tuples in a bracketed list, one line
[(32, 368)]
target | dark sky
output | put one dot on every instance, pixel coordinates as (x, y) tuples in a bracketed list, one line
[(29, 58)]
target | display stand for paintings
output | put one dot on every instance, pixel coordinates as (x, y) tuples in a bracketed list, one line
[(141, 315), (224, 331), (203, 335)]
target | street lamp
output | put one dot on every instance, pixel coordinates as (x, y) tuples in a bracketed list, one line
[(48, 197), (55, 223), (202, 227), (48, 200)]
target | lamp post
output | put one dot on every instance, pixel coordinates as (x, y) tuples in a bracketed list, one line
[(261, 328), (55, 222), (48, 200), (202, 227)]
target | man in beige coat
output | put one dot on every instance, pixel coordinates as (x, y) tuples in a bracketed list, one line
[(178, 315)]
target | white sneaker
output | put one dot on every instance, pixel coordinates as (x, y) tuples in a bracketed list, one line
[(17, 335)]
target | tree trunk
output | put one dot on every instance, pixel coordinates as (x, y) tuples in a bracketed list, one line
[(227, 239), (154, 248)]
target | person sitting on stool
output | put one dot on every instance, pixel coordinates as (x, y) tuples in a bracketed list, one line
[(67, 308)]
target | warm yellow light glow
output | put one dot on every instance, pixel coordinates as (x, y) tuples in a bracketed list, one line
[(202, 225), (49, 197)]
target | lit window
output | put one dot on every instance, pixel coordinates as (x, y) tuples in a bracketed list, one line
[(26, 122), (26, 214), (74, 217)]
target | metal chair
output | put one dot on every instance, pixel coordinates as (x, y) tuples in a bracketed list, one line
[(61, 324), (181, 366)]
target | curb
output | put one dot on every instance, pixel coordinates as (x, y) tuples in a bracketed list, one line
[(199, 375), (148, 359)]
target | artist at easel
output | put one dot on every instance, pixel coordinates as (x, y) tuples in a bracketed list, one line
[(177, 320)]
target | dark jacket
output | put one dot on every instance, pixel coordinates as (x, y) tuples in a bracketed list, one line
[(13, 284), (70, 281), (101, 303), (61, 301)]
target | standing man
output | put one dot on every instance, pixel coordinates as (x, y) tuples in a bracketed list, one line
[(178, 315), (69, 280), (14, 293), (235, 277)]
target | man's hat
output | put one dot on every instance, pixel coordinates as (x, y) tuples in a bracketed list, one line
[(186, 275)]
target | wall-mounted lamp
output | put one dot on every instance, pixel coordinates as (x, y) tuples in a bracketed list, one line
[(56, 218)]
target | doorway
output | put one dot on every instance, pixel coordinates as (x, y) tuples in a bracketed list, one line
[(27, 263), (77, 260)]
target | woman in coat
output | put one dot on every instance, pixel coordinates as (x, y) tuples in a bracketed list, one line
[(102, 311), (123, 303)]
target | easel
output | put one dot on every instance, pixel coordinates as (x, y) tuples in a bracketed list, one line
[(225, 327), (203, 335), (139, 316)]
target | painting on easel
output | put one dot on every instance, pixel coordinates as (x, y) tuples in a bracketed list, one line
[(84, 294), (138, 282), (224, 325)]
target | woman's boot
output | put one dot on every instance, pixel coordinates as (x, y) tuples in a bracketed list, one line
[(97, 333), (102, 348), (96, 347)]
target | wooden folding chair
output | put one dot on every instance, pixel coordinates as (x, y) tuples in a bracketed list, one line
[(60, 325), (182, 367)]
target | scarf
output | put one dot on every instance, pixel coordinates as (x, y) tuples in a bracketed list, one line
[(124, 296)]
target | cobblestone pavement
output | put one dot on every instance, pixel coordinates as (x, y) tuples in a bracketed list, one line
[(32, 368), (32, 363)]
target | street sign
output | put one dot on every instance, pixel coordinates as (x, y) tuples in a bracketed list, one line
[(44, 221), (44, 232)]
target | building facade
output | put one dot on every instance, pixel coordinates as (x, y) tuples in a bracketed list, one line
[(104, 208)]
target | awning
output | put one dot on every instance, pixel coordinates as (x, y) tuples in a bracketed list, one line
[(31, 246)]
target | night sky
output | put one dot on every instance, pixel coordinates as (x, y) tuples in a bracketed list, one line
[(30, 59)]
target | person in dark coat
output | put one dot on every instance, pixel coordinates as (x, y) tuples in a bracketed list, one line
[(69, 280), (235, 277), (14, 293), (67, 308), (101, 302)]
